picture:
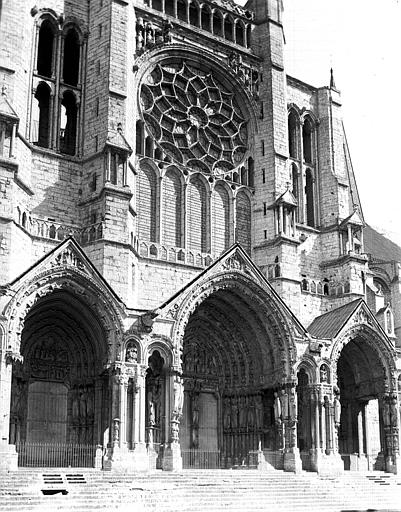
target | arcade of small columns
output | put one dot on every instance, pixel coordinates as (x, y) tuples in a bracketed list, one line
[(297, 417)]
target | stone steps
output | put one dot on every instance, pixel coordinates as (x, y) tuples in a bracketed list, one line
[(197, 491)]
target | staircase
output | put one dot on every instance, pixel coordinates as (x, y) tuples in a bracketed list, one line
[(195, 491)]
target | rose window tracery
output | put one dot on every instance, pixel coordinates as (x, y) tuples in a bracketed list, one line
[(194, 118)]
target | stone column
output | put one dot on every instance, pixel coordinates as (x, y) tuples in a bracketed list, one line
[(292, 458), (172, 460), (140, 455), (390, 409), (8, 454)]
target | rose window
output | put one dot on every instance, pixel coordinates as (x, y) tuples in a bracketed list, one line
[(194, 118)]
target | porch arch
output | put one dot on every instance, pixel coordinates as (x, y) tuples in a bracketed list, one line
[(367, 422), (237, 349)]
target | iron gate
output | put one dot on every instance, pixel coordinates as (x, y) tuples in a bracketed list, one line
[(56, 455)]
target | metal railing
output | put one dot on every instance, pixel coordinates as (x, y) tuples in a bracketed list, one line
[(201, 459), (57, 455)]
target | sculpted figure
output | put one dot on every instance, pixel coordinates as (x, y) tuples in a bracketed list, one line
[(227, 414), (178, 395), (151, 410), (324, 374), (293, 404), (284, 403), (259, 412), (131, 355), (277, 408), (166, 31), (337, 410)]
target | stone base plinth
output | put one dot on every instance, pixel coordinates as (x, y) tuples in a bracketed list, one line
[(327, 465), (121, 459), (358, 462), (260, 461), (172, 460), (8, 457), (292, 461), (393, 464)]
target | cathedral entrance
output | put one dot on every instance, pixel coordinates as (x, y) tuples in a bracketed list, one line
[(230, 369), (361, 378), (58, 396)]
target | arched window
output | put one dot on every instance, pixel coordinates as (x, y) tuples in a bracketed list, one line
[(172, 209), (307, 130), (221, 219), (295, 187), (139, 138), (248, 36), (243, 215), (40, 134), (310, 199), (326, 289), (45, 54), (71, 57), (305, 285), (293, 135), (205, 17), (228, 28), (169, 7), (239, 33), (194, 14), (251, 171), (197, 215), (68, 123), (217, 23), (146, 204), (182, 10), (294, 179), (244, 176), (158, 154), (149, 146)]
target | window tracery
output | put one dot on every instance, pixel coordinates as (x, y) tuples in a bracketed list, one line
[(194, 118)]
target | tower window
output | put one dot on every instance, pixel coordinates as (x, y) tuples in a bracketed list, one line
[(71, 57), (205, 17), (169, 7), (44, 63), (157, 4), (40, 116), (310, 200), (307, 141), (217, 23), (292, 135), (68, 123), (239, 34), (228, 29), (194, 14), (182, 10)]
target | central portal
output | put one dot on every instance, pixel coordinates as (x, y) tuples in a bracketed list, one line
[(228, 374)]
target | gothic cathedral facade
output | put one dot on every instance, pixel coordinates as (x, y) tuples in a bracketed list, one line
[(184, 277)]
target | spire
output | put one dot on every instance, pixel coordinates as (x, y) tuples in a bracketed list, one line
[(332, 82)]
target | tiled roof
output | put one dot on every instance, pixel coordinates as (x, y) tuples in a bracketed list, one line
[(380, 247), (328, 325)]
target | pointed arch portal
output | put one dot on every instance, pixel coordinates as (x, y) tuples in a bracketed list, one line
[(234, 355), (58, 394)]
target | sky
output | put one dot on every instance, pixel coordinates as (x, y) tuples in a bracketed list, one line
[(361, 41)]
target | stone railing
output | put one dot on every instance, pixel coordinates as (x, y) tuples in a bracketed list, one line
[(172, 254), (59, 231)]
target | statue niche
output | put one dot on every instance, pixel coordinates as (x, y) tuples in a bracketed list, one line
[(155, 390)]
